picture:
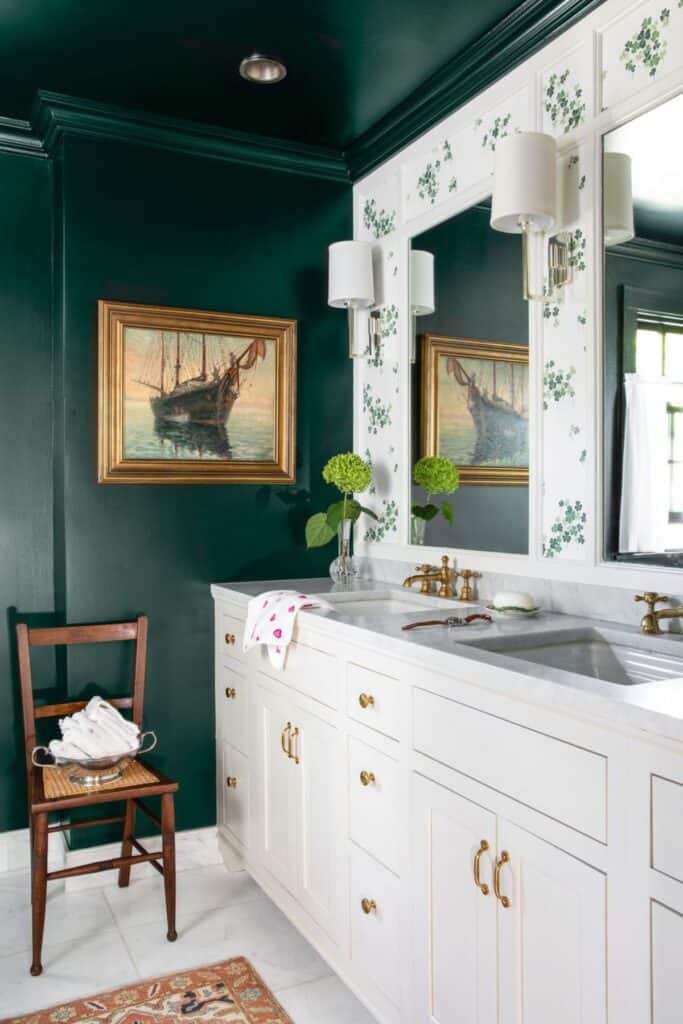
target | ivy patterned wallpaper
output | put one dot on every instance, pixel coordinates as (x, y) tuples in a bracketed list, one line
[(607, 58)]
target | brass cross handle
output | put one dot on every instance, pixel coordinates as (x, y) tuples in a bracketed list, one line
[(466, 592), (651, 598)]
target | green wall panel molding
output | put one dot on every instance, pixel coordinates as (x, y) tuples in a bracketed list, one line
[(19, 137), (528, 28), (55, 115)]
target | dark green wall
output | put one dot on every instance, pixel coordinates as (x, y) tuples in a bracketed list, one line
[(25, 436), (139, 225), (478, 290)]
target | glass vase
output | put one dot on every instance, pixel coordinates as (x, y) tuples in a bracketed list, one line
[(343, 569), (417, 530)]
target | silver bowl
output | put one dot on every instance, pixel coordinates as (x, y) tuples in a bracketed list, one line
[(94, 771)]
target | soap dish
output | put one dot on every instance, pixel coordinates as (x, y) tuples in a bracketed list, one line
[(511, 612)]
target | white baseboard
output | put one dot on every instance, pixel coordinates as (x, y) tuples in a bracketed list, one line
[(196, 847)]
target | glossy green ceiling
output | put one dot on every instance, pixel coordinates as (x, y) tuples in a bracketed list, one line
[(350, 61)]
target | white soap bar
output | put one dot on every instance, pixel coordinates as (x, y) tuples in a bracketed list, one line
[(512, 599)]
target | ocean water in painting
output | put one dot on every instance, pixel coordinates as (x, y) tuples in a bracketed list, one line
[(198, 397), (483, 412)]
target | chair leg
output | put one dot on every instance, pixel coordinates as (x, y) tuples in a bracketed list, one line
[(39, 838), (127, 843), (168, 852)]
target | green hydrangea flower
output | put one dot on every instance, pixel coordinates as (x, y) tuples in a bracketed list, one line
[(436, 475), (348, 472)]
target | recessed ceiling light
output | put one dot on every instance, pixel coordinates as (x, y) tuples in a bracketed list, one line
[(262, 70)]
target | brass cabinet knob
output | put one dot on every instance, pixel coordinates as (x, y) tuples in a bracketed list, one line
[(231, 782), (503, 859), (366, 700), (481, 886), (230, 692), (368, 906), (367, 777), (230, 638)]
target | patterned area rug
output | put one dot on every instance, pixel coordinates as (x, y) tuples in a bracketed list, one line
[(227, 992)]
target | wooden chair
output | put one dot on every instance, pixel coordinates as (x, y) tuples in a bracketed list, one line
[(40, 806)]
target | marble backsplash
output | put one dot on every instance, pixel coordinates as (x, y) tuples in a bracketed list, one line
[(614, 604)]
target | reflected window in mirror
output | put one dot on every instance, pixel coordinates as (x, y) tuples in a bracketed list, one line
[(470, 386), (643, 338)]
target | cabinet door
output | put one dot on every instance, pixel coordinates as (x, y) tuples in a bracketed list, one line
[(552, 936), (234, 782), (318, 748), (275, 789), (667, 957), (455, 926)]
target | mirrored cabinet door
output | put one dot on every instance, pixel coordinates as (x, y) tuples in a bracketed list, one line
[(643, 338)]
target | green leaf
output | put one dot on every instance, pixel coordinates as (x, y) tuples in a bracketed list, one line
[(369, 512), (426, 512), (447, 512), (333, 516), (318, 532)]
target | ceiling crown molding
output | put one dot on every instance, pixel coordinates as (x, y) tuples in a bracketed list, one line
[(19, 137), (528, 28), (55, 115)]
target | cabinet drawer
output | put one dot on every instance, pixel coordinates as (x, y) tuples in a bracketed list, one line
[(373, 699), (231, 706), (566, 782), (375, 935), (374, 802), (667, 827), (230, 636), (235, 802), (309, 669)]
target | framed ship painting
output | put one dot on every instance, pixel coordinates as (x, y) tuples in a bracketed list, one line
[(193, 397), (475, 408)]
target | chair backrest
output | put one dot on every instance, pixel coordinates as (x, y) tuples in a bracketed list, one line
[(55, 637)]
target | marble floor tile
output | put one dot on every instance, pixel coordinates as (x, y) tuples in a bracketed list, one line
[(71, 969), (69, 917), (326, 999)]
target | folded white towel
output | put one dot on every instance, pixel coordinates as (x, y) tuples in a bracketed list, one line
[(270, 621), (96, 731)]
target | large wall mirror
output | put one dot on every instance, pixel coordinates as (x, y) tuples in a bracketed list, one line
[(470, 385), (643, 338)]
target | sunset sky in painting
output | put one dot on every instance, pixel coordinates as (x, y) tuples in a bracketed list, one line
[(142, 360)]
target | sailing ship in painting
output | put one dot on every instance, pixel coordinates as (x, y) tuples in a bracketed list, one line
[(202, 398), (501, 424)]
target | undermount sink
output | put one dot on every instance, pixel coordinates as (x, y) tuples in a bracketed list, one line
[(623, 658), (390, 602)]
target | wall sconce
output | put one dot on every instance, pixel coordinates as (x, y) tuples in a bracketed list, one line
[(351, 286), (617, 192), (525, 202), (421, 291)]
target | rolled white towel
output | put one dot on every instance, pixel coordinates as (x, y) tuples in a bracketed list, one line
[(64, 748), (100, 711), (96, 731)]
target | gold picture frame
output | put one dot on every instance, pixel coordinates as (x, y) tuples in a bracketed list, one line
[(169, 382), (458, 357)]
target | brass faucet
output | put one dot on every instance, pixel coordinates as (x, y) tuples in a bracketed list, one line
[(466, 591), (429, 574), (650, 622)]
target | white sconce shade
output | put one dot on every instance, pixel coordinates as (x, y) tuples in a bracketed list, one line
[(351, 282), (617, 199), (421, 282), (524, 189)]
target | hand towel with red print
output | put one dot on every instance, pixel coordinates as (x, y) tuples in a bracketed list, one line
[(270, 621)]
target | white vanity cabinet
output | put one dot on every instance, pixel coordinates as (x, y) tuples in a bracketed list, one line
[(457, 854)]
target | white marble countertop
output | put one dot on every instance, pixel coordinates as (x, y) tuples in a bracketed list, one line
[(654, 707)]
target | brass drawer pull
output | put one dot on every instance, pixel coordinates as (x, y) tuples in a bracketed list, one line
[(366, 700), (230, 638), (230, 692), (293, 745), (482, 886), (503, 859), (284, 739), (367, 777), (367, 906), (231, 782)]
